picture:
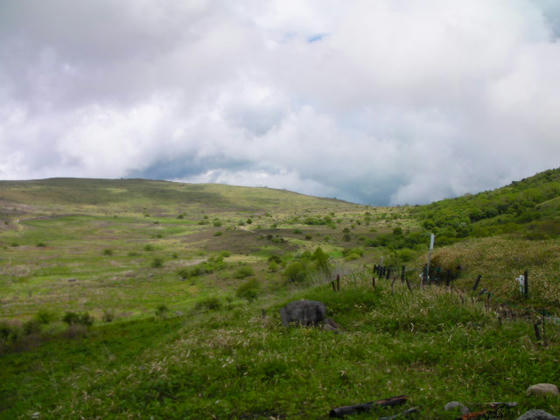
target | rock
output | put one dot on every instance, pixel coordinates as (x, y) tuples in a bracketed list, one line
[(303, 312), (543, 389), (457, 406), (330, 325), (537, 415)]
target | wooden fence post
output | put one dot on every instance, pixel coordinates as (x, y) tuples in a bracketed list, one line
[(476, 282), (338, 282), (526, 284)]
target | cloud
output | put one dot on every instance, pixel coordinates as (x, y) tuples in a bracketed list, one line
[(384, 102)]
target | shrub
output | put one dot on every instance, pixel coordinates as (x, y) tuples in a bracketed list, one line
[(248, 290), (41, 245), (219, 233), (45, 317), (157, 262), (107, 251), (243, 272), (213, 264), (149, 247), (296, 272), (321, 260), (108, 315), (210, 303), (9, 333), (275, 258), (32, 326), (162, 310), (73, 318)]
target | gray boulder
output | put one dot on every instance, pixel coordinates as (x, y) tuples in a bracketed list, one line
[(456, 406), (543, 389), (303, 312), (537, 415)]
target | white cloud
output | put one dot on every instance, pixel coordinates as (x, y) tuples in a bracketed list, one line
[(395, 101)]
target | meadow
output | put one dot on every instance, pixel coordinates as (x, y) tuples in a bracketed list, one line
[(152, 299)]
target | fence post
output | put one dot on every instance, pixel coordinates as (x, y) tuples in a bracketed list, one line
[(403, 270), (425, 275), (338, 282), (388, 273), (448, 278), (373, 282), (476, 282), (526, 284)]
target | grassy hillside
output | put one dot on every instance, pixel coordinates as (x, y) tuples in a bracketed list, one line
[(528, 207), (183, 284)]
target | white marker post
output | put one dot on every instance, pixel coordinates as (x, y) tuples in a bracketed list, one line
[(432, 239)]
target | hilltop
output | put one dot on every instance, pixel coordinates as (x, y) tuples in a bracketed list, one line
[(163, 197), (183, 284)]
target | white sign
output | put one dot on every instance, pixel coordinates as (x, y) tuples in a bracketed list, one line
[(432, 237), (521, 280)]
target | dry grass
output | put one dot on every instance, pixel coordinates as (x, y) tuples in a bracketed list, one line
[(501, 260)]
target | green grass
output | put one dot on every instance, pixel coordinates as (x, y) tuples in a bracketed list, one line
[(231, 363), (187, 339)]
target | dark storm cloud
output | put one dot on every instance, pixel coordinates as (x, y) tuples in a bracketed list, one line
[(377, 102)]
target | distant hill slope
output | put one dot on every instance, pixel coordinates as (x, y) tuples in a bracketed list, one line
[(530, 205), (141, 195)]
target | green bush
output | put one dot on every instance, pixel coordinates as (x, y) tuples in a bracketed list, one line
[(45, 317), (32, 326), (157, 262), (162, 310), (248, 290), (243, 272), (107, 251), (8, 333), (108, 315), (149, 247), (296, 272), (212, 303), (73, 318), (321, 260), (272, 267), (213, 264)]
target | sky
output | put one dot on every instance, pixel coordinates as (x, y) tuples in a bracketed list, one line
[(381, 102)]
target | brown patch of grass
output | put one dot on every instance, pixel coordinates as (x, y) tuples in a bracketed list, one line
[(500, 260)]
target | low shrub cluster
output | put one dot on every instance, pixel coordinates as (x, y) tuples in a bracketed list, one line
[(212, 265), (304, 265), (73, 318), (249, 290)]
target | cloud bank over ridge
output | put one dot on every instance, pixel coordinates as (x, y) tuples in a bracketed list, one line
[(385, 102)]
